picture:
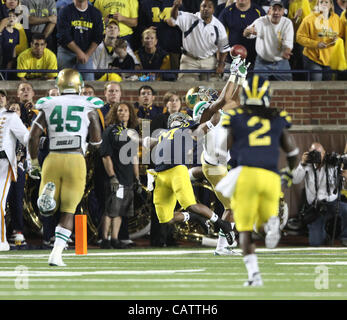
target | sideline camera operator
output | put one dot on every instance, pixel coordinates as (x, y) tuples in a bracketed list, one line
[(321, 189)]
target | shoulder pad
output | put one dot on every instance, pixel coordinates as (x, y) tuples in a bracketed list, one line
[(96, 102), (41, 101), (284, 114)]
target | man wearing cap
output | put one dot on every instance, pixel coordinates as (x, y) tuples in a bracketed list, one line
[(11, 129), (104, 53), (274, 35)]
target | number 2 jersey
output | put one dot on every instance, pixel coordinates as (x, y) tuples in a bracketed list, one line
[(256, 140), (67, 115)]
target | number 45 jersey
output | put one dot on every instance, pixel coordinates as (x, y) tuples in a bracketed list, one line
[(67, 119), (256, 140)]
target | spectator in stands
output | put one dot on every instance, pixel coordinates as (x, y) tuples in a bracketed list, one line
[(153, 13), (9, 38), (297, 11), (22, 24), (52, 92), (274, 42), (151, 56), (125, 12), (123, 60), (205, 41), (318, 34), (145, 107), (25, 95), (320, 185), (105, 52), (172, 103), (88, 90), (121, 176), (79, 32), (340, 6), (37, 57), (43, 19), (236, 18), (16, 192)]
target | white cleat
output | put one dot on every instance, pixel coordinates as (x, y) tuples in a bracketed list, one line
[(226, 251), (257, 281), (46, 202), (273, 234), (4, 246), (55, 259)]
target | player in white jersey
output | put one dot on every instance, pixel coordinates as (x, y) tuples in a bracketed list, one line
[(68, 119), (214, 164), (11, 129)]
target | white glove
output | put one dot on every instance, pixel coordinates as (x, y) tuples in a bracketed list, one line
[(238, 70)]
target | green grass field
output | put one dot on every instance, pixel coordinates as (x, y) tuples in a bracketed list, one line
[(173, 274)]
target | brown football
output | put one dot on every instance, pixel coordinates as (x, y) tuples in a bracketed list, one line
[(238, 49)]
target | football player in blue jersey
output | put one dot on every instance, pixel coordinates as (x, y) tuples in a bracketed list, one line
[(255, 134), (172, 181)]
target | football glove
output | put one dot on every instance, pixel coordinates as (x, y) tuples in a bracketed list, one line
[(114, 184), (138, 187), (34, 169), (286, 177), (238, 70)]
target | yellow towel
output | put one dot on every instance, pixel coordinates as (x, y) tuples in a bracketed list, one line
[(111, 77)]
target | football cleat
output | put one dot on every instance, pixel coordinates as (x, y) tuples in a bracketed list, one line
[(4, 246), (46, 202), (256, 281), (226, 251), (226, 228), (55, 259), (273, 234)]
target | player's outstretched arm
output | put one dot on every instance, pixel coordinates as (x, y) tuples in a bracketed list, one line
[(288, 145)]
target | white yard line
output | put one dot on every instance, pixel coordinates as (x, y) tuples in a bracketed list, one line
[(6, 255)]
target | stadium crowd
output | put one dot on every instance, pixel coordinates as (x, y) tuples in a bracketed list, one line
[(151, 35), (172, 35)]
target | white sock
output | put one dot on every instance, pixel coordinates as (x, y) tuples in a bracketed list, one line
[(222, 241), (214, 217), (251, 262), (62, 235)]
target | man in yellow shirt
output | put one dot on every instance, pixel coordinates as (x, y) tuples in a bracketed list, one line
[(37, 57), (125, 12)]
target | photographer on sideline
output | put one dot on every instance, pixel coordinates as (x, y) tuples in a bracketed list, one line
[(321, 193)]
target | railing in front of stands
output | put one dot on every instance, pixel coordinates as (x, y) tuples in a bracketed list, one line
[(208, 72)]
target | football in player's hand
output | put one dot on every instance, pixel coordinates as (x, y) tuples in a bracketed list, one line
[(238, 49)]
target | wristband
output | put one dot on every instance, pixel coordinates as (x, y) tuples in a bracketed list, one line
[(209, 125)]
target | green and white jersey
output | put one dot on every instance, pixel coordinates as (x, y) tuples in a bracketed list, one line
[(67, 119), (210, 145)]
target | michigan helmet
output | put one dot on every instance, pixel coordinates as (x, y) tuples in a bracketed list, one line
[(199, 109), (177, 119), (69, 81), (256, 91)]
